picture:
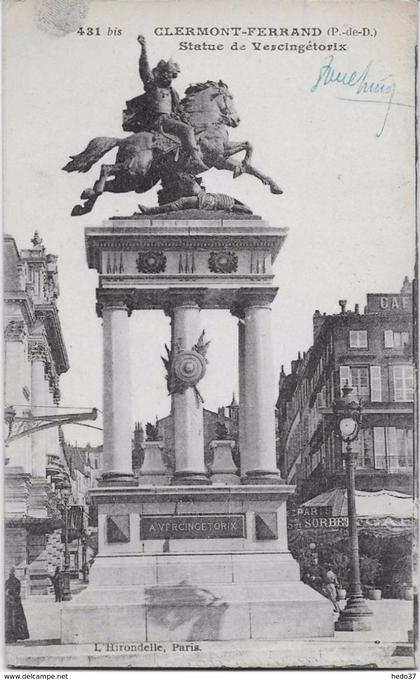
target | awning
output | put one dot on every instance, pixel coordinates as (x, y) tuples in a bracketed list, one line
[(383, 511)]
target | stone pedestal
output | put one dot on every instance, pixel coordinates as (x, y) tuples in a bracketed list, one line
[(154, 470), (194, 563), (222, 468)]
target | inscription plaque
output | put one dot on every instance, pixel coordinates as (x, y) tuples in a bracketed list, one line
[(192, 526)]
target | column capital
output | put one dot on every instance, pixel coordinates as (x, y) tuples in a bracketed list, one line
[(56, 394), (183, 297), (38, 352), (252, 297), (113, 299), (15, 331)]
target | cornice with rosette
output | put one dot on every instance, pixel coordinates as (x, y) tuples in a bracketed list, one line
[(113, 299)]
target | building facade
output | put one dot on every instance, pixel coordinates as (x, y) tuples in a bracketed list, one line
[(84, 464), (373, 352), (34, 358)]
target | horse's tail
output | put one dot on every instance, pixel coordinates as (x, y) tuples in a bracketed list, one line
[(96, 148)]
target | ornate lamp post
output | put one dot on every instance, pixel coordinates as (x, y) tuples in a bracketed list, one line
[(347, 412), (65, 494)]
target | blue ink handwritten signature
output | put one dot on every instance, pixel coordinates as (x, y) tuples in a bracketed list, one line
[(362, 83)]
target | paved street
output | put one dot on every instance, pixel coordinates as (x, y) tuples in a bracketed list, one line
[(385, 646)]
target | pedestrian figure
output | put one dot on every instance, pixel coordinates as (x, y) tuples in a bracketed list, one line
[(57, 581), (85, 572), (16, 626), (330, 586), (314, 576)]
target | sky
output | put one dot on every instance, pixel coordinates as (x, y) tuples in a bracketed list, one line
[(343, 156)]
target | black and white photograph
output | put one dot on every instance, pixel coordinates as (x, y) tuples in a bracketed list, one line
[(210, 335)]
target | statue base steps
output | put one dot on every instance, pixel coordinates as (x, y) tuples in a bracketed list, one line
[(194, 563)]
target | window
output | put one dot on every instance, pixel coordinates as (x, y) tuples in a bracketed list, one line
[(403, 383), (345, 376), (393, 449), (396, 339), (360, 380), (363, 449), (366, 381), (358, 339)]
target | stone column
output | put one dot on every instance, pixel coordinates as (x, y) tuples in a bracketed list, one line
[(242, 391), (258, 455), (51, 433), (15, 380), (117, 466), (38, 403), (186, 406)]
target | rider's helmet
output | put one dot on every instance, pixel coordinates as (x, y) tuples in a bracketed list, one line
[(168, 66)]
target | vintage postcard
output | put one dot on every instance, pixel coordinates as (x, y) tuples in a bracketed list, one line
[(210, 334)]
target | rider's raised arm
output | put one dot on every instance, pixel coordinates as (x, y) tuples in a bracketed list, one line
[(144, 68)]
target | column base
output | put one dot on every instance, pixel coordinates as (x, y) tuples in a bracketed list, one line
[(262, 477), (355, 615), (117, 479), (186, 478)]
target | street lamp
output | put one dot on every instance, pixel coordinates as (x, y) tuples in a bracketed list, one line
[(65, 494), (347, 412)]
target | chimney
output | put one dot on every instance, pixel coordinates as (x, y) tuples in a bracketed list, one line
[(356, 309), (317, 321), (406, 287), (138, 435), (342, 304)]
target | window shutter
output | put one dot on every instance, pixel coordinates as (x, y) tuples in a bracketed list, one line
[(389, 338), (379, 447), (391, 434), (375, 383), (398, 383), (345, 374)]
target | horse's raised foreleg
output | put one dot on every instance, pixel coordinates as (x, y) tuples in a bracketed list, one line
[(231, 148), (274, 188), (241, 167)]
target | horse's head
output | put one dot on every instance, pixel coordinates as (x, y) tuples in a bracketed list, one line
[(224, 100), (211, 101)]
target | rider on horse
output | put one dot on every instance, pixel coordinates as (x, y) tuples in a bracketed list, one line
[(158, 108)]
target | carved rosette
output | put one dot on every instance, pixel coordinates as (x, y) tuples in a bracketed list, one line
[(223, 262), (151, 262), (15, 331)]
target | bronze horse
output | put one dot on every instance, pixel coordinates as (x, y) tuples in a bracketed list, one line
[(146, 157)]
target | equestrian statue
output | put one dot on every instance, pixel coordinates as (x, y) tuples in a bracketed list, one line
[(172, 141)]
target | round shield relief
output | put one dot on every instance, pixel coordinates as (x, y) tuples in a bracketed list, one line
[(189, 367)]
